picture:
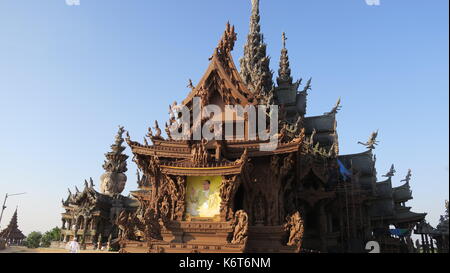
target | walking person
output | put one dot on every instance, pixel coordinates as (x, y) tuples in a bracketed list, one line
[(74, 246)]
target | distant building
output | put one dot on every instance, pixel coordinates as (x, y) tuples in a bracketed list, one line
[(91, 215), (12, 234)]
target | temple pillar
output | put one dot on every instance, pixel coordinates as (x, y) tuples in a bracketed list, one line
[(427, 244), (422, 237), (322, 227), (431, 245), (99, 243), (83, 238)]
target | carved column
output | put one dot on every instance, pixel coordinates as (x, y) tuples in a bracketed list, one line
[(227, 190)]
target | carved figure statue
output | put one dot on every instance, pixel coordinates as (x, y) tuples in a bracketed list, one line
[(295, 228), (240, 228), (158, 130)]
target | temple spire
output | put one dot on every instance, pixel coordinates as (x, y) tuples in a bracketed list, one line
[(284, 72), (114, 179), (255, 70)]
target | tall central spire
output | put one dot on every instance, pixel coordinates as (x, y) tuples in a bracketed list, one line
[(255, 70), (254, 24)]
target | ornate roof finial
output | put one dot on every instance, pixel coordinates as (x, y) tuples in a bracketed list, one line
[(336, 108), (255, 70), (226, 43), (372, 142), (391, 172), (284, 72), (408, 177), (116, 160)]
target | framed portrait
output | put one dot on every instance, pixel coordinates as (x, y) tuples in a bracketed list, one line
[(203, 197)]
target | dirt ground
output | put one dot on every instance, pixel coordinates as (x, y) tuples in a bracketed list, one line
[(19, 249)]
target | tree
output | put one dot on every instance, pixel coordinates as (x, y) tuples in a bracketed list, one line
[(34, 239), (50, 236)]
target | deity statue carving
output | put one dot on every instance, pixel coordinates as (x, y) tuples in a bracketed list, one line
[(199, 154), (165, 207), (295, 228), (240, 228)]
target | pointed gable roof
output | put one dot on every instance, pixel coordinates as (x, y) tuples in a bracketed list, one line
[(222, 76)]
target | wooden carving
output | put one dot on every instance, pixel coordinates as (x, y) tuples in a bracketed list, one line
[(152, 228), (240, 228), (200, 155), (127, 223), (228, 188), (295, 228), (181, 196)]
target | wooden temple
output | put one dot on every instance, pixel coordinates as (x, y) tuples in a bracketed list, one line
[(227, 195), (12, 235)]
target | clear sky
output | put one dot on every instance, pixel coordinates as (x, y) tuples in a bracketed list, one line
[(69, 75)]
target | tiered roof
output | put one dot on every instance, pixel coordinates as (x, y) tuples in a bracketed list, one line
[(12, 231)]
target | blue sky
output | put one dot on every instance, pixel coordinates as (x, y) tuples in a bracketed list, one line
[(69, 75)]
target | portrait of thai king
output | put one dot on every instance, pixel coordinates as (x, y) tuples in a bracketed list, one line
[(203, 199)]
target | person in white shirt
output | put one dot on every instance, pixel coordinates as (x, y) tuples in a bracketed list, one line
[(74, 246)]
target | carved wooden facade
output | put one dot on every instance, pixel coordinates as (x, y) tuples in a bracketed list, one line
[(291, 199)]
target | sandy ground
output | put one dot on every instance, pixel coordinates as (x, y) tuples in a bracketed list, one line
[(18, 249)]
